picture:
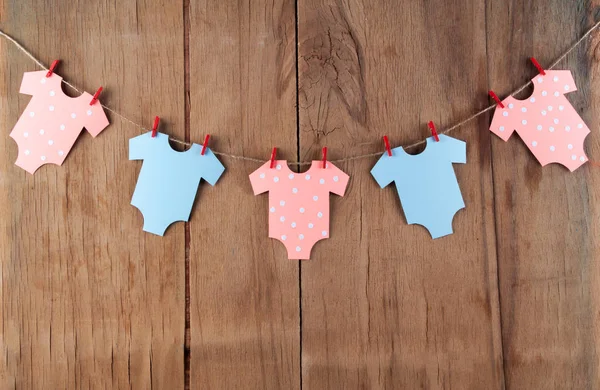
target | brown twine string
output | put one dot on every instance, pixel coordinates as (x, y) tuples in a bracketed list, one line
[(300, 163)]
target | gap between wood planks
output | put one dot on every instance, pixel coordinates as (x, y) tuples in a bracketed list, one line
[(187, 357)]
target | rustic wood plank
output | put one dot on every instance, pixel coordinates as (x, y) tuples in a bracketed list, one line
[(88, 299), (384, 306), (244, 292), (546, 217)]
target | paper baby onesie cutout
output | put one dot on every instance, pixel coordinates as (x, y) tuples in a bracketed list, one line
[(52, 121), (168, 181), (546, 121), (299, 203), (426, 182)]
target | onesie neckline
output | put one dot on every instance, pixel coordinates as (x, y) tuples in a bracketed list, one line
[(287, 167), (59, 81)]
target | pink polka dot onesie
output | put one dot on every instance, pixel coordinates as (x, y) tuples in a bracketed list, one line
[(299, 203)]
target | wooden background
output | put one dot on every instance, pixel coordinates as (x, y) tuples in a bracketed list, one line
[(90, 301)]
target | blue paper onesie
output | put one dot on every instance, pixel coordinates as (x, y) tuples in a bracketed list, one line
[(426, 182), (168, 182)]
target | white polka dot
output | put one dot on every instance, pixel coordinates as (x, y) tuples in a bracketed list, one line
[(539, 127), (262, 176), (544, 93), (582, 159), (523, 109), (284, 237), (73, 115), (89, 113), (524, 122), (552, 148), (560, 108), (555, 79), (25, 134), (282, 203), (27, 152), (580, 126), (573, 157), (52, 93), (301, 236), (278, 167), (294, 225), (60, 152), (43, 81), (282, 218), (43, 158), (501, 128), (298, 249), (50, 142), (324, 233), (567, 128), (549, 108), (544, 112), (31, 114), (272, 209), (570, 146), (511, 105), (534, 144), (505, 113), (295, 190), (556, 94), (51, 108), (291, 176), (336, 179), (567, 87), (310, 225), (551, 129), (62, 127), (302, 210), (556, 121), (540, 79), (307, 177), (42, 132), (322, 181), (320, 214), (315, 198), (532, 100), (275, 179)]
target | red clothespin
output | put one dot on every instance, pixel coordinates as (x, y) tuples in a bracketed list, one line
[(495, 97), (433, 132), (52, 67), (273, 154), (324, 157), (155, 126), (205, 144), (95, 98), (538, 66), (387, 145)]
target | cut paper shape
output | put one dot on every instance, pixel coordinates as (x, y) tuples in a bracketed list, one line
[(168, 181), (426, 182), (546, 121), (299, 203), (52, 121)]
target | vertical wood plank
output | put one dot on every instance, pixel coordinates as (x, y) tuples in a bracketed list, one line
[(384, 305), (547, 217), (244, 291), (88, 299)]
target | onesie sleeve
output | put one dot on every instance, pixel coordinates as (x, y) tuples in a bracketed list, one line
[(454, 149), (138, 146), (502, 124), (95, 118), (35, 81), (564, 81), (338, 180), (382, 172), (212, 169), (261, 178)]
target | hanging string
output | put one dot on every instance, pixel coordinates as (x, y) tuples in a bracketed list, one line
[(300, 163)]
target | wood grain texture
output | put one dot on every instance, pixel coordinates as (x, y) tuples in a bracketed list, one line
[(244, 292), (384, 306), (547, 217), (88, 299)]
